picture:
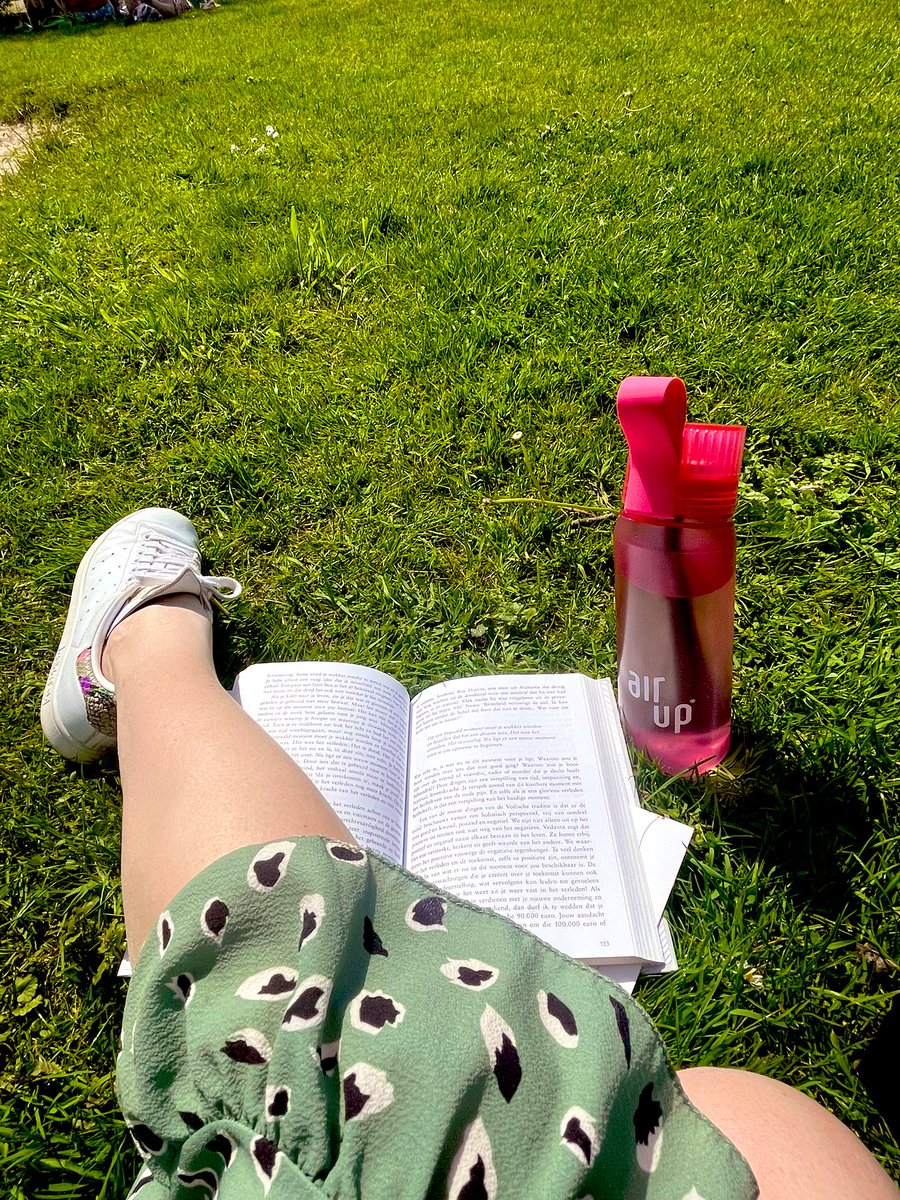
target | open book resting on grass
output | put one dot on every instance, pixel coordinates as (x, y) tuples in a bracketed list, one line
[(514, 792)]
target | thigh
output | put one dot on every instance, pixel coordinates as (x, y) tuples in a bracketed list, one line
[(793, 1145)]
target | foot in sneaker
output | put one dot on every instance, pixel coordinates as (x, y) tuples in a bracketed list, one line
[(146, 556)]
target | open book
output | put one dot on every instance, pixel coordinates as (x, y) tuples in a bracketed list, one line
[(514, 792)]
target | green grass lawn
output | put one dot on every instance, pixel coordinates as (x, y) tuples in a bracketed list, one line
[(501, 210)]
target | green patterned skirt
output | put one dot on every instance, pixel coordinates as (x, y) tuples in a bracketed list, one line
[(310, 1021)]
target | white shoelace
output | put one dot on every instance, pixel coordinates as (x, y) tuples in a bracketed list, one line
[(158, 558), (221, 587), (156, 553)]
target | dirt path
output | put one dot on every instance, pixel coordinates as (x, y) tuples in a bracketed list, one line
[(14, 143)]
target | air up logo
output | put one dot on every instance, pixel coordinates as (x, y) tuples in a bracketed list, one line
[(665, 716)]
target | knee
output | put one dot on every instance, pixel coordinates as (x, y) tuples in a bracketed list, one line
[(793, 1145), (749, 1095), (736, 1084)]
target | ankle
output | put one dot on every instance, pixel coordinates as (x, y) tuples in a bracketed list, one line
[(165, 631)]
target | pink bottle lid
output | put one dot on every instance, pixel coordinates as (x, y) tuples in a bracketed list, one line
[(676, 470)]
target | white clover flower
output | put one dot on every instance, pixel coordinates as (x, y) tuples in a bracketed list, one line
[(754, 977), (271, 131), (234, 148)]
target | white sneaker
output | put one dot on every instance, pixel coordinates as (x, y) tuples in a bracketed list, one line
[(148, 555)]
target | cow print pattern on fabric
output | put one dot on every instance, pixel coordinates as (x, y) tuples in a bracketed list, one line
[(371, 941), (267, 1161), (469, 973), (346, 854), (623, 1026), (372, 1011), (558, 1019), (578, 1131), (427, 914), (147, 1142), (164, 931), (327, 1056), (214, 918), (648, 1130), (222, 1145), (278, 1101), (143, 1179), (366, 1091), (272, 984), (502, 1052), (269, 865), (248, 1046), (472, 1173), (182, 988), (312, 913), (206, 1179), (308, 1005)]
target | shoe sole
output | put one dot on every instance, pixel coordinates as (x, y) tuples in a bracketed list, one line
[(77, 749)]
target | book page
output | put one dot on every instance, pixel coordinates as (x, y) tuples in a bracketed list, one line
[(662, 854), (347, 727), (507, 808)]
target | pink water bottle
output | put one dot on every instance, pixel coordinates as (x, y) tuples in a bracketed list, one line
[(674, 555)]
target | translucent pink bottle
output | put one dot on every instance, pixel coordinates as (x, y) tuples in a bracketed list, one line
[(674, 555)]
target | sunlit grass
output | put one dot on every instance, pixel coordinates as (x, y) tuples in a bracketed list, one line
[(498, 212)]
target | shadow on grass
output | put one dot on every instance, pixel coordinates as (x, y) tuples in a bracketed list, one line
[(814, 816), (238, 643), (806, 813)]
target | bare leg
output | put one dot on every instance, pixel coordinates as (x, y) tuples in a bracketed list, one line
[(199, 777), (793, 1145)]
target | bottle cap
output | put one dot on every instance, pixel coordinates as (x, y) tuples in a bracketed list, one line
[(676, 470)]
